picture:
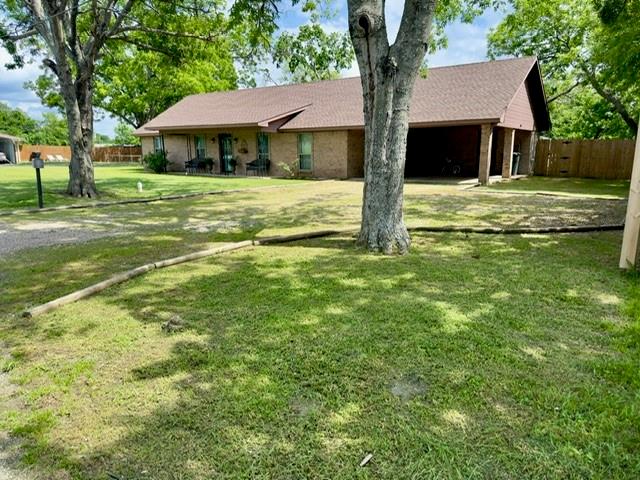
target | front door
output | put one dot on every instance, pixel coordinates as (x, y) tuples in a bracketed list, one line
[(263, 147), (226, 153)]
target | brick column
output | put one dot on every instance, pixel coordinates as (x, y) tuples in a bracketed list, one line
[(486, 137), (507, 152)]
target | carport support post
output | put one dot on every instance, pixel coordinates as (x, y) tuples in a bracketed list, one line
[(486, 137), (507, 151)]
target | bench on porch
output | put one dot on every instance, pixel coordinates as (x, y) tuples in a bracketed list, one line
[(199, 165), (260, 167)]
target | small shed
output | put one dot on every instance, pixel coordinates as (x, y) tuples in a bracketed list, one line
[(10, 146)]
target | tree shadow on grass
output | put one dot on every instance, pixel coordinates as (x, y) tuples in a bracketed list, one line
[(480, 209), (298, 360)]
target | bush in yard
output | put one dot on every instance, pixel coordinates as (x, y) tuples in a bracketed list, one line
[(291, 169), (156, 161)]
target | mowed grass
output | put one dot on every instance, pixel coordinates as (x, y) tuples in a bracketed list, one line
[(472, 357), (151, 232), (114, 182), (575, 186)]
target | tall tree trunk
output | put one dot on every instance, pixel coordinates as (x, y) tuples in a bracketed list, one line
[(80, 125), (81, 179), (388, 75), (75, 88)]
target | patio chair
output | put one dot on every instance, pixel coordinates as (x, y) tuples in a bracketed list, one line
[(59, 158), (196, 165), (51, 158), (259, 166)]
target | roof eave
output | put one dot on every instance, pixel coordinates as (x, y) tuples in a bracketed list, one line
[(280, 116), (170, 128), (450, 123)]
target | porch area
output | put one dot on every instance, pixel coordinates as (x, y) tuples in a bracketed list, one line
[(240, 152)]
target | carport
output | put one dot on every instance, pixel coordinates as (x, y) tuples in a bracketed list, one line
[(457, 151), (443, 152), (10, 147)]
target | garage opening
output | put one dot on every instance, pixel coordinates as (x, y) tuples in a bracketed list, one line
[(7, 151), (443, 152)]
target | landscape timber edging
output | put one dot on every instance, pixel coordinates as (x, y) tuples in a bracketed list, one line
[(135, 272)]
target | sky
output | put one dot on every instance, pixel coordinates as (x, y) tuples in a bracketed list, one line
[(467, 43)]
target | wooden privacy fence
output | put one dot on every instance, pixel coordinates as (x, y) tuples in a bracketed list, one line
[(117, 153), (607, 159), (45, 151), (101, 154)]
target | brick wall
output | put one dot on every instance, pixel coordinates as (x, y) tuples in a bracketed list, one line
[(330, 154), (147, 145), (284, 149), (330, 150)]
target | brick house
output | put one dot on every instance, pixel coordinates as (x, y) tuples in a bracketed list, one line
[(465, 120)]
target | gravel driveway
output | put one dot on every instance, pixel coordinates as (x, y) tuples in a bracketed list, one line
[(15, 237)]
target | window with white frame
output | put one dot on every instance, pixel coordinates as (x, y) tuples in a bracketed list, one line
[(157, 144)]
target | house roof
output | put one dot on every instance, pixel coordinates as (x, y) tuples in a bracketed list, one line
[(462, 94)]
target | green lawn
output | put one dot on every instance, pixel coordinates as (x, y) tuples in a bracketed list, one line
[(114, 182), (495, 357), (159, 230), (577, 186), (474, 356)]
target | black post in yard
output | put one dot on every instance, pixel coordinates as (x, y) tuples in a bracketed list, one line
[(38, 163), (39, 182)]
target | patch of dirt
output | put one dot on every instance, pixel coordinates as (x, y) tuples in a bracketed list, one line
[(303, 407), (408, 388)]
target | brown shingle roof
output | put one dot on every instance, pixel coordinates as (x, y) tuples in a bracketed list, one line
[(470, 93)]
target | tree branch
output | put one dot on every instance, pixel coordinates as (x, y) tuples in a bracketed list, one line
[(18, 36), (565, 92), (141, 45), (141, 28), (609, 96), (74, 41), (47, 62), (412, 41)]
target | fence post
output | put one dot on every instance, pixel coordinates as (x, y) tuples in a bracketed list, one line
[(630, 241)]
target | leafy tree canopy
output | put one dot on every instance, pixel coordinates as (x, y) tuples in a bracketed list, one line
[(592, 90), (16, 122), (312, 54), (101, 138), (144, 73), (125, 136), (51, 130), (583, 113)]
